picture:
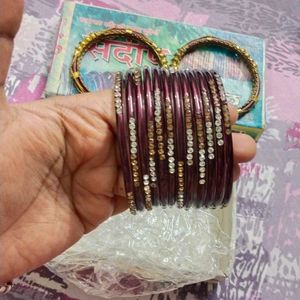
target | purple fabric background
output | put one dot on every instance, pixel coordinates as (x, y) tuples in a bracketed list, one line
[(267, 264)]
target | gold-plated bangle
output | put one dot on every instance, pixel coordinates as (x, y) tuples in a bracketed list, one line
[(100, 36), (243, 53)]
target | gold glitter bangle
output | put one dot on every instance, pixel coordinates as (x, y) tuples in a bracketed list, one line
[(96, 37), (243, 53)]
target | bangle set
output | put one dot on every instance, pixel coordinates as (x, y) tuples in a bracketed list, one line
[(173, 126), (174, 137)]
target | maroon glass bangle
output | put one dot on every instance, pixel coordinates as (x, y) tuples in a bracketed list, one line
[(203, 171), (152, 142), (142, 137), (122, 134), (134, 143), (168, 101), (179, 137), (220, 165), (210, 140), (227, 139), (160, 129), (190, 180)]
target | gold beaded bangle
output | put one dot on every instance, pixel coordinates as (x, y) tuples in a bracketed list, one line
[(244, 54), (99, 36)]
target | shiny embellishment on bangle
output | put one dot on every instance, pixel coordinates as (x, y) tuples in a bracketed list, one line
[(152, 152), (170, 135), (134, 151), (180, 193), (117, 93), (147, 192), (131, 203), (158, 123), (189, 130), (201, 147), (208, 123), (218, 111), (224, 107)]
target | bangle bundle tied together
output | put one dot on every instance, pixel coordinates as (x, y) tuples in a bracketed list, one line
[(173, 127)]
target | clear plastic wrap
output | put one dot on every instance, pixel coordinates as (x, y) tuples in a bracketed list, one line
[(151, 252)]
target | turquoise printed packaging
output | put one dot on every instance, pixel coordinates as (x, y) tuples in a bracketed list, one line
[(100, 63)]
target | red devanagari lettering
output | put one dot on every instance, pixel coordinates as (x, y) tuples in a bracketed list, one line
[(103, 50)]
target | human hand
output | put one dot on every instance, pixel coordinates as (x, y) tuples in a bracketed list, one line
[(59, 171)]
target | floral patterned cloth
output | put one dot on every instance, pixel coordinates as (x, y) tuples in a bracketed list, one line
[(267, 264)]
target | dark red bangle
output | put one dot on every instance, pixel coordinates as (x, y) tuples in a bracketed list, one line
[(142, 137), (203, 172), (210, 140), (227, 139), (220, 165), (122, 134), (190, 180), (160, 128), (134, 142), (152, 142), (179, 137), (170, 126)]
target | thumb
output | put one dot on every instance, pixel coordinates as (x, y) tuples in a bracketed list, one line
[(10, 19)]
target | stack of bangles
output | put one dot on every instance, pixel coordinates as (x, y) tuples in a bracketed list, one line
[(174, 137), (173, 127)]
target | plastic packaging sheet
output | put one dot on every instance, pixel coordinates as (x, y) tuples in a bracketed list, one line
[(151, 252)]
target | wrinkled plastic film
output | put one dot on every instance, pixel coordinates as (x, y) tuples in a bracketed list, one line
[(151, 252)]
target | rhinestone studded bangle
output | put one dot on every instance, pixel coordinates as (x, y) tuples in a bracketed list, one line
[(152, 143), (179, 138), (221, 171), (202, 161), (190, 140), (96, 37), (135, 155), (143, 141), (160, 130), (228, 162), (122, 132), (243, 53), (170, 122), (210, 139)]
